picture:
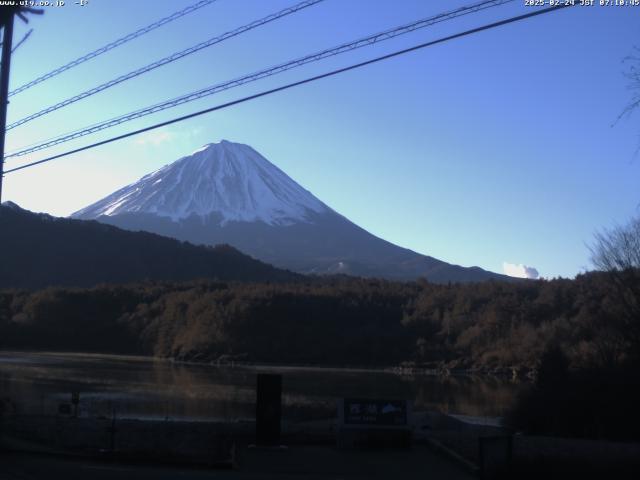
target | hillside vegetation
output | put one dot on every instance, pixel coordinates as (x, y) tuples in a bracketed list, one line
[(330, 321), (43, 250)]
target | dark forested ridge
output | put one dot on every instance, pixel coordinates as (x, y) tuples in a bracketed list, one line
[(41, 250), (330, 321)]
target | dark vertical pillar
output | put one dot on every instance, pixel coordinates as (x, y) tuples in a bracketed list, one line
[(496, 454), (5, 66), (268, 409), (75, 400)]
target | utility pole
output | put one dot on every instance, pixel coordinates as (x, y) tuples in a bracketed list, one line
[(5, 65), (7, 15)]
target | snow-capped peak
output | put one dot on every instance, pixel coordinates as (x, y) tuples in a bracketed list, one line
[(228, 179)]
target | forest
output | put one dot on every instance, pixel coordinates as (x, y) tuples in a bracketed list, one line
[(574, 342), (492, 326)]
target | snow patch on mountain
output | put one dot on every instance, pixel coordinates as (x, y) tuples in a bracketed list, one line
[(228, 179)]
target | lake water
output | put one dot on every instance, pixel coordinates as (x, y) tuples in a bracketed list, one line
[(139, 387)]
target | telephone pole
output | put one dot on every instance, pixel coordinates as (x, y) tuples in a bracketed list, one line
[(5, 66), (7, 14)]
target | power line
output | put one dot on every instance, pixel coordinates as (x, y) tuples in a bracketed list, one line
[(370, 40), (166, 60), (295, 84), (112, 45), (7, 17), (388, 34), (24, 39)]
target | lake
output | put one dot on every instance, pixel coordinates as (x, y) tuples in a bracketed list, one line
[(142, 387)]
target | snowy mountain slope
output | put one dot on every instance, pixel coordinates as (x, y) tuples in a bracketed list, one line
[(231, 180), (228, 193)]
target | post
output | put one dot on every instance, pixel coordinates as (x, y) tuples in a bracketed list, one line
[(75, 400), (5, 66), (268, 409), (496, 453)]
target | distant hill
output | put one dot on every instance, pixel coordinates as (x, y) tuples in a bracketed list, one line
[(40, 250)]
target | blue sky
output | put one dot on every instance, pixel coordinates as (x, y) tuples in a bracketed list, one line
[(498, 147)]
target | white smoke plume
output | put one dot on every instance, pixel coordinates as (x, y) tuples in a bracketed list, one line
[(519, 270)]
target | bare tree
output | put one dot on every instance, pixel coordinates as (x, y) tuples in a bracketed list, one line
[(617, 251), (633, 75)]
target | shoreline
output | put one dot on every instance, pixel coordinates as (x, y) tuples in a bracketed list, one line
[(400, 370)]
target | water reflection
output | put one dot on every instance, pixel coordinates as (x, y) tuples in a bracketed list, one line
[(133, 387)]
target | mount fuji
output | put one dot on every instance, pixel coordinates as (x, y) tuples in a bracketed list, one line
[(228, 193)]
